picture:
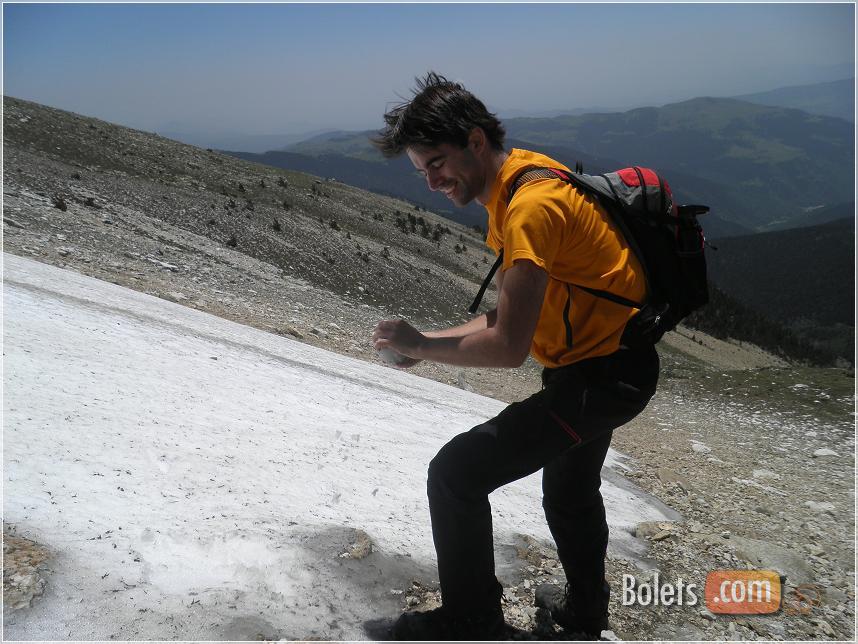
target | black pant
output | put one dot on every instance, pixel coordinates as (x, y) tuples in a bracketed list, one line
[(565, 430)]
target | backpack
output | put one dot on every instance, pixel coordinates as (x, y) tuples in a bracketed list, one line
[(667, 240)]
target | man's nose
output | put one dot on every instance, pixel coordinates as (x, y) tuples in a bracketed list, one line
[(433, 179)]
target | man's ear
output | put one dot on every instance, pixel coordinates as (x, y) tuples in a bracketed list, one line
[(477, 140)]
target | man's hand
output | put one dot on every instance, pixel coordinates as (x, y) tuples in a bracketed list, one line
[(501, 338), (399, 336)]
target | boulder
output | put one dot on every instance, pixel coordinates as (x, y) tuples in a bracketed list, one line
[(769, 556)]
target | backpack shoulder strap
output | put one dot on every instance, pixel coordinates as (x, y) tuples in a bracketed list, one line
[(525, 175), (529, 174), (479, 298)]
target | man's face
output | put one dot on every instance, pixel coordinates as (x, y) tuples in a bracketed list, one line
[(457, 172)]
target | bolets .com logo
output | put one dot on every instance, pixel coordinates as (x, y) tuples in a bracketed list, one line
[(743, 592), (727, 592)]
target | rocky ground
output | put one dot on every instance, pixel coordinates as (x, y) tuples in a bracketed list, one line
[(756, 454)]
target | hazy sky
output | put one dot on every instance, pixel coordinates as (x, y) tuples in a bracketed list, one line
[(294, 67)]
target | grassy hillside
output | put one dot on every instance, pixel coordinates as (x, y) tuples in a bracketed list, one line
[(802, 278), (726, 317), (791, 274), (816, 216), (355, 145)]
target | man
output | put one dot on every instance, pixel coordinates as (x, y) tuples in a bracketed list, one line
[(554, 240)]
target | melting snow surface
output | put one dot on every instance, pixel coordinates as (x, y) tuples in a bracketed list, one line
[(199, 479)]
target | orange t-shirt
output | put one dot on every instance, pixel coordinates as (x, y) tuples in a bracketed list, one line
[(567, 233)]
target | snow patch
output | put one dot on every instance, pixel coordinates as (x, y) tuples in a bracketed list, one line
[(171, 483)]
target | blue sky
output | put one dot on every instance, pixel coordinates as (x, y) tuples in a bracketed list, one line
[(290, 68)]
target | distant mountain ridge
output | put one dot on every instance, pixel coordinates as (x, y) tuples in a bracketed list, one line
[(355, 145), (835, 98), (755, 151), (740, 158), (235, 141)]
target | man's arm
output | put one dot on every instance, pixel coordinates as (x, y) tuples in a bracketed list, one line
[(479, 323), (506, 343), (484, 321)]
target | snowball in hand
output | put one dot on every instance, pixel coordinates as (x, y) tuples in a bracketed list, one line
[(391, 357)]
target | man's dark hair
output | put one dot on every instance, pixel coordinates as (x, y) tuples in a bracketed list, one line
[(440, 112)]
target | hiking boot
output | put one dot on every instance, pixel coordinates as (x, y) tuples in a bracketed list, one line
[(557, 600), (440, 624)]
